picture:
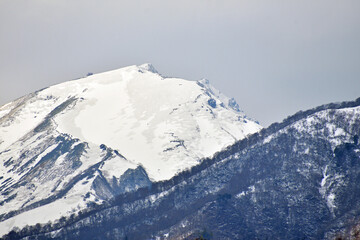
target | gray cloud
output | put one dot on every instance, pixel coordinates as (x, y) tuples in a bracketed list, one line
[(274, 57)]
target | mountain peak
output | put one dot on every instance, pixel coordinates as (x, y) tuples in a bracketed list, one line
[(89, 132), (148, 67)]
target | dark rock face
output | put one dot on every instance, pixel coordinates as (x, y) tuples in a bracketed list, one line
[(212, 102), (295, 180), (133, 179)]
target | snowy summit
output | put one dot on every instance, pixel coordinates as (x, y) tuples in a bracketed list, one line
[(81, 141)]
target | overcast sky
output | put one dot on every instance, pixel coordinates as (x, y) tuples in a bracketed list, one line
[(274, 57)]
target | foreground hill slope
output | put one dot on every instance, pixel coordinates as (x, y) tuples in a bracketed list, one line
[(294, 180), (85, 141)]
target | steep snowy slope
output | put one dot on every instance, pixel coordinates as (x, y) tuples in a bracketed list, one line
[(298, 179), (87, 140)]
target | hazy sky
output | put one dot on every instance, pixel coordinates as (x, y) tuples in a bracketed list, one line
[(274, 57)]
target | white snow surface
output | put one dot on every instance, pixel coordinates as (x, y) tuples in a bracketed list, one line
[(146, 117), (165, 125)]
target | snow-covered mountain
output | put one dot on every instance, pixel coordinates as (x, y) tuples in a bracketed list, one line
[(84, 141), (298, 179)]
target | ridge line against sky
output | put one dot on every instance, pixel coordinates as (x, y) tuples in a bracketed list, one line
[(274, 57)]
